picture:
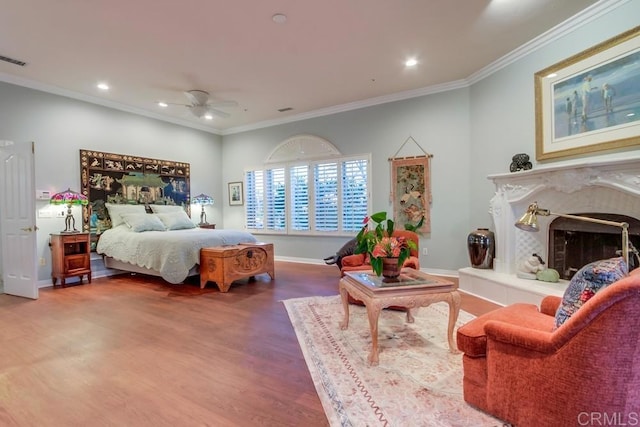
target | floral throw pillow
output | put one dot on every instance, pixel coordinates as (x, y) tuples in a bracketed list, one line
[(586, 282)]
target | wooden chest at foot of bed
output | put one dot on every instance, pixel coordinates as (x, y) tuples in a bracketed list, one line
[(224, 264)]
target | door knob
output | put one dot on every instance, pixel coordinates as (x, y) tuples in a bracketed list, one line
[(26, 229)]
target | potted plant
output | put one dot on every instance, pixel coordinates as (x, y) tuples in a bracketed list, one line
[(376, 239)]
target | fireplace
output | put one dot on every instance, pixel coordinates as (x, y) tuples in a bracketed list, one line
[(610, 187), (574, 243)]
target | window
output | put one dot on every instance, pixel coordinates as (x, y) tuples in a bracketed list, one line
[(299, 197), (322, 196), (254, 184)]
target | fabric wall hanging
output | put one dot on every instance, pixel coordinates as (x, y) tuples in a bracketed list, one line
[(411, 188), (124, 179)]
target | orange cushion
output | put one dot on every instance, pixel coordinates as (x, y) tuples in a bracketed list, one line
[(354, 260), (472, 339)]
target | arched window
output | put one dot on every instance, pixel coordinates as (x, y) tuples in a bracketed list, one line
[(308, 187)]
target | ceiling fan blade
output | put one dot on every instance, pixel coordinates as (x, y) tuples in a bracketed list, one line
[(198, 110), (216, 104), (219, 113), (197, 97)]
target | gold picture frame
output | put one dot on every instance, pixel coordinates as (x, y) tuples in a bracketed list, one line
[(590, 102)]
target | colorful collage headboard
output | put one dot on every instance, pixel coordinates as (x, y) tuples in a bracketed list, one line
[(123, 179)]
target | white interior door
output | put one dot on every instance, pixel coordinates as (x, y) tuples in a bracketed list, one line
[(18, 219)]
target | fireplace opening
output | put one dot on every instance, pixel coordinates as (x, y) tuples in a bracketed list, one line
[(574, 244)]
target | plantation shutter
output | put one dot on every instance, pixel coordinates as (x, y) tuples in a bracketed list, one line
[(254, 203), (326, 196), (355, 200), (299, 197), (275, 200)]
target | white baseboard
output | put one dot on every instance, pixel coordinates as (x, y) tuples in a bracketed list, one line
[(106, 273), (434, 271)]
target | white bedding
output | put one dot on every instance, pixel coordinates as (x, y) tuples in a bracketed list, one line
[(171, 253)]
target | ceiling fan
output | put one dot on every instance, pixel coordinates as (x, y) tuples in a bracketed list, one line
[(200, 106)]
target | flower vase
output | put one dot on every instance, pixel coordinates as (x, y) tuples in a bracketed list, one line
[(390, 268)]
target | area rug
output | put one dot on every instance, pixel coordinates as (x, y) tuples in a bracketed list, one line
[(418, 382)]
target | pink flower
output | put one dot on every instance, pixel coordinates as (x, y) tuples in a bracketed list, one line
[(378, 251)]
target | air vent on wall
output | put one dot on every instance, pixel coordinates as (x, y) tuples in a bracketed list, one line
[(12, 61)]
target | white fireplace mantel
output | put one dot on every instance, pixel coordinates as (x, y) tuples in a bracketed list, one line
[(611, 186)]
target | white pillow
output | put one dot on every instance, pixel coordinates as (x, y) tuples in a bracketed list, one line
[(166, 208), (176, 220), (140, 222), (116, 212)]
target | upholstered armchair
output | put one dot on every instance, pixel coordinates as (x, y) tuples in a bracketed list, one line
[(521, 370), (361, 261)]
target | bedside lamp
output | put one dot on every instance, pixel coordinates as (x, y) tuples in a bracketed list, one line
[(203, 200), (529, 222), (69, 198)]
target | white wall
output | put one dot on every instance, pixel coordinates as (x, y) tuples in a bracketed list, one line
[(471, 132), (61, 126), (439, 123), (502, 105)]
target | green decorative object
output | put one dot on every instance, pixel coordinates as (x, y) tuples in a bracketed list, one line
[(548, 275)]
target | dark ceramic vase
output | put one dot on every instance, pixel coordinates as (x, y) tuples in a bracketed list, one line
[(481, 245)]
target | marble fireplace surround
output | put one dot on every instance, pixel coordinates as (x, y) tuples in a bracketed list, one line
[(611, 186)]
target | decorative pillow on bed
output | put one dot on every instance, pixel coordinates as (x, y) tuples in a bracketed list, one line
[(116, 211), (140, 222), (586, 282), (166, 208), (178, 220)]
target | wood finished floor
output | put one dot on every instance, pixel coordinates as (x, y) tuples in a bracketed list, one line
[(136, 351)]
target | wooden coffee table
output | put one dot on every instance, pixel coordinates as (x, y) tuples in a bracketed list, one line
[(412, 289)]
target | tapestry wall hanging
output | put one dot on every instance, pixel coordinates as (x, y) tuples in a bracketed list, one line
[(411, 189), (124, 179)]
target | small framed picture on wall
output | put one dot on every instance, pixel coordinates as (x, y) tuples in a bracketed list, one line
[(236, 197)]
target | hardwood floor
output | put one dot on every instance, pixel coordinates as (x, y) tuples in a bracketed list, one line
[(136, 351)]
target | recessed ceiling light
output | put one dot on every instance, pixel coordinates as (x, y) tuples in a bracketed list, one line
[(411, 62), (552, 75), (279, 18), (103, 86), (208, 116), (163, 104)]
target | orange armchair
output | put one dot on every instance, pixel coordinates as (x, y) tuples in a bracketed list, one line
[(361, 261), (517, 368)]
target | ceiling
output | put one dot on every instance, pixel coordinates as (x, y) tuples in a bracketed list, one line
[(329, 55)]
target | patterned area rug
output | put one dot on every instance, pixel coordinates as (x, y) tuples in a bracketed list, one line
[(417, 383)]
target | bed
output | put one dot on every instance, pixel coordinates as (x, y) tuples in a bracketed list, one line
[(164, 243)]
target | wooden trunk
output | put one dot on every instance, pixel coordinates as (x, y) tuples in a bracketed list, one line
[(224, 264)]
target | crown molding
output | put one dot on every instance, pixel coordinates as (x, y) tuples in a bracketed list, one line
[(385, 99), (589, 14), (582, 18), (19, 81)]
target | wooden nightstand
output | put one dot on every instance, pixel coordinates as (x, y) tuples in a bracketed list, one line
[(210, 226), (70, 256)]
